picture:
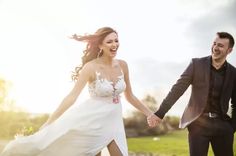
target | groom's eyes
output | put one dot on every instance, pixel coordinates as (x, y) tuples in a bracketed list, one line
[(218, 44)]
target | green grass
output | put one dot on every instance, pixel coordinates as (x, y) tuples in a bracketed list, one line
[(172, 144)]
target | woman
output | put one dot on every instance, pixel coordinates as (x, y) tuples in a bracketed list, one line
[(87, 128)]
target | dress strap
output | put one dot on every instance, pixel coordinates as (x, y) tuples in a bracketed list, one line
[(118, 63), (98, 75)]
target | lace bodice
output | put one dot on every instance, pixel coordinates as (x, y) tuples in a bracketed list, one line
[(102, 87)]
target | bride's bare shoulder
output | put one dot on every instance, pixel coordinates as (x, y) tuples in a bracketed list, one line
[(123, 64)]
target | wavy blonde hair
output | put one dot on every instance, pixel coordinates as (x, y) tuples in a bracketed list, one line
[(92, 50)]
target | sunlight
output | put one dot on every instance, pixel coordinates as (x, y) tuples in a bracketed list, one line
[(37, 56)]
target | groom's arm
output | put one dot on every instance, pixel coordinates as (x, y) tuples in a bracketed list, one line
[(233, 106), (176, 91)]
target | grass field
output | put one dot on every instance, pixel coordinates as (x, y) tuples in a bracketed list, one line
[(172, 144)]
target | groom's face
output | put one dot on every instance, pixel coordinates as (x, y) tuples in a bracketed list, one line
[(220, 48)]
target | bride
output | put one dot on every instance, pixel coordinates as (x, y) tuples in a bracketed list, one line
[(91, 125)]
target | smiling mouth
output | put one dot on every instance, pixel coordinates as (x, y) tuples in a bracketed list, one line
[(113, 50), (216, 52)]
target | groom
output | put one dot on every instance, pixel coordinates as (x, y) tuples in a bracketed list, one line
[(213, 82)]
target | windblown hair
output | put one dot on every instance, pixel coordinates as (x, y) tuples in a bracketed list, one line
[(92, 50)]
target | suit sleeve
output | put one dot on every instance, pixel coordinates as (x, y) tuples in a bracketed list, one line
[(176, 91), (233, 105)]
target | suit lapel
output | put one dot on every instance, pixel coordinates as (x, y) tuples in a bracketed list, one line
[(207, 67)]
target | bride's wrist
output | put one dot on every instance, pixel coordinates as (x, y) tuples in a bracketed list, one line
[(149, 113)]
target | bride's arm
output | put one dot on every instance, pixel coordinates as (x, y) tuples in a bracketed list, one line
[(130, 97), (72, 96)]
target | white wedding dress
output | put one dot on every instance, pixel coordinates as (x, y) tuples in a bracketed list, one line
[(83, 130)]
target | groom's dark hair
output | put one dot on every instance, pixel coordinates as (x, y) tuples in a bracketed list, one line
[(227, 36)]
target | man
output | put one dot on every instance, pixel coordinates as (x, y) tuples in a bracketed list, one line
[(213, 82)]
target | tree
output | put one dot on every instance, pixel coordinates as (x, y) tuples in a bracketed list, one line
[(3, 92), (151, 102), (6, 103), (136, 124)]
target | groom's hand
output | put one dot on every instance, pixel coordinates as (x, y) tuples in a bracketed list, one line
[(153, 120)]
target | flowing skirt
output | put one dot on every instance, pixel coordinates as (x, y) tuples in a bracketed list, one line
[(83, 130)]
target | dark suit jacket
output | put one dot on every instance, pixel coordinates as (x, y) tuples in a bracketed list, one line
[(197, 75)]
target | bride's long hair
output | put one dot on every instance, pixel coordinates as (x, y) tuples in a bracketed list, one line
[(92, 50)]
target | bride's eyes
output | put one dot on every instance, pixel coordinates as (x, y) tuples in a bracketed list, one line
[(110, 41)]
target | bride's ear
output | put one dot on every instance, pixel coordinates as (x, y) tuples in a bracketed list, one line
[(99, 45)]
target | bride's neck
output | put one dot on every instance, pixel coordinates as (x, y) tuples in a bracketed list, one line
[(106, 60)]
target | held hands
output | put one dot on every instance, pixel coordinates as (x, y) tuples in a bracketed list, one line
[(153, 120)]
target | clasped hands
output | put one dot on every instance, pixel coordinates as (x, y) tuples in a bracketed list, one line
[(153, 120)]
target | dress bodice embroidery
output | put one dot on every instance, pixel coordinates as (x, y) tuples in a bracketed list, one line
[(102, 87)]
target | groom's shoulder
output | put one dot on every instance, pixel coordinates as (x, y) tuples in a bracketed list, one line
[(201, 59), (232, 67)]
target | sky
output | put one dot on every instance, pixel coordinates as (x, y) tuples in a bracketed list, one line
[(157, 40)]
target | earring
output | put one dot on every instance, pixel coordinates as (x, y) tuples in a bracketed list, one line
[(99, 53)]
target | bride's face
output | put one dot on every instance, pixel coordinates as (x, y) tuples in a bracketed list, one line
[(110, 45)]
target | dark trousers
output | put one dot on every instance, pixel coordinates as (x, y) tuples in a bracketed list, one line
[(215, 131)]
